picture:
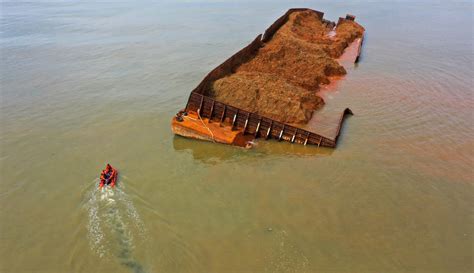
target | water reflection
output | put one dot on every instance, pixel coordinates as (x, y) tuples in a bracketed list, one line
[(211, 153)]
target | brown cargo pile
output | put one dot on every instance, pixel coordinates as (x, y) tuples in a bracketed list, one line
[(268, 89), (282, 79)]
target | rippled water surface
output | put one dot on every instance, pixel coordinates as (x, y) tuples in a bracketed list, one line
[(89, 82)]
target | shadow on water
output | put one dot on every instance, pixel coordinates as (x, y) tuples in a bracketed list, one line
[(114, 225), (214, 153)]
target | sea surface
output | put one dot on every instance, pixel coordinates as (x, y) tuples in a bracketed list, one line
[(84, 83)]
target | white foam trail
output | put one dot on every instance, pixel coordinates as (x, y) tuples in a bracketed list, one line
[(113, 221), (107, 194), (132, 212), (94, 227)]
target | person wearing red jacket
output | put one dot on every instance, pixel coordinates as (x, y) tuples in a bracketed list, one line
[(108, 176)]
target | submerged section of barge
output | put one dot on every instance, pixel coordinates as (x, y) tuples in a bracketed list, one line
[(269, 88)]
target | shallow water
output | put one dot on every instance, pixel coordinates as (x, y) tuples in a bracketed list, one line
[(85, 83)]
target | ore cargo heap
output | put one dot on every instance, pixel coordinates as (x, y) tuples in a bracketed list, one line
[(269, 89)]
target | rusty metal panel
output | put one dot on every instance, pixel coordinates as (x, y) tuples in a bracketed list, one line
[(278, 130)]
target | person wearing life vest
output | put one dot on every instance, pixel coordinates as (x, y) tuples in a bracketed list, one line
[(105, 176), (108, 176), (102, 179), (112, 178)]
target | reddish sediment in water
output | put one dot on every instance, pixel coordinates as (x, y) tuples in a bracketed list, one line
[(282, 79)]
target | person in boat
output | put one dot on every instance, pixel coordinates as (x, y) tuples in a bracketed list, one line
[(112, 174), (107, 176)]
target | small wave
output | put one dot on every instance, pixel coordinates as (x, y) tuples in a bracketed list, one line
[(94, 226), (131, 212), (285, 257), (114, 225)]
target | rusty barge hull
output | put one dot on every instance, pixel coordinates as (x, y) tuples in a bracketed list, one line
[(245, 124), (212, 120)]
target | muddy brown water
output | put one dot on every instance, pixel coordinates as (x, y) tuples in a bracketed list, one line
[(85, 83)]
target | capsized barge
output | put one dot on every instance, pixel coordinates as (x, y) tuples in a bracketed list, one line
[(268, 89)]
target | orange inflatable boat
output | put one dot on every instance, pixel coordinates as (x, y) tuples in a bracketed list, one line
[(108, 176)]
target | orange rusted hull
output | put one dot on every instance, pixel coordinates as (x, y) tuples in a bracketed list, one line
[(192, 126)]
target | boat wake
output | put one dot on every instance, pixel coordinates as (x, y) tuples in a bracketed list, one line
[(114, 225)]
